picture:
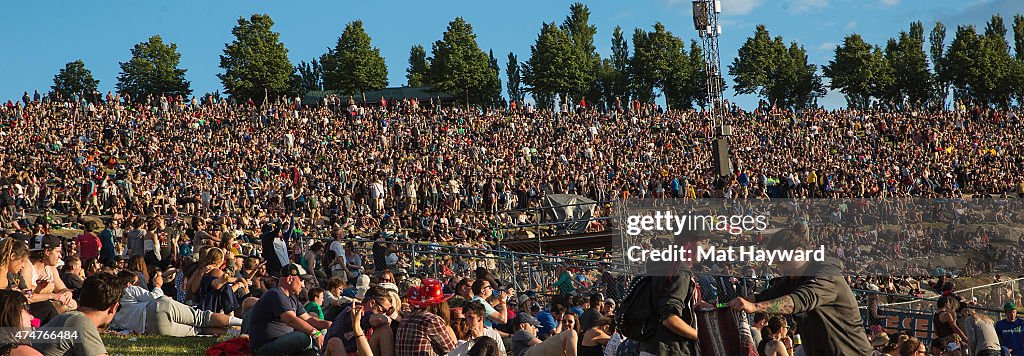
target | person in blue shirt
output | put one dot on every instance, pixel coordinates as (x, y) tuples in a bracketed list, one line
[(1011, 330), (483, 288), (548, 321)]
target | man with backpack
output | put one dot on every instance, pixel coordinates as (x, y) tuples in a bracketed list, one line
[(658, 314)]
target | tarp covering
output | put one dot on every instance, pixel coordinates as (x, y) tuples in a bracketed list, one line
[(575, 211)]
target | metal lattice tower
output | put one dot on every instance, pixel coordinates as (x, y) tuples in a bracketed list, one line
[(705, 21)]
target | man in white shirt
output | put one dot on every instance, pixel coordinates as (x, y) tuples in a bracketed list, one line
[(377, 194), (338, 246)]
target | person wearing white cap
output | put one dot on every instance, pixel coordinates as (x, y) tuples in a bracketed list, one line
[(362, 284), (609, 306)]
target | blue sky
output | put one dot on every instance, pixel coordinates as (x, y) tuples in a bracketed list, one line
[(44, 35)]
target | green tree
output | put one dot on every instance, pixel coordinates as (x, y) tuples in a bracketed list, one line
[(887, 91), (460, 68), (1018, 36), (153, 70), (853, 71), (937, 39), (699, 79), (215, 95), (620, 66), (1018, 47), (804, 86), (643, 71), (781, 75), (354, 65), (883, 83), (980, 67), (544, 100), (515, 80), (418, 69), (677, 82), (660, 61), (308, 77), (585, 60), (604, 84), (492, 63), (74, 79), (256, 63), (962, 65), (1003, 69), (545, 72), (912, 80), (995, 27)]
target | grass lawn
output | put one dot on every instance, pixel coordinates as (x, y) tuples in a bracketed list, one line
[(133, 345)]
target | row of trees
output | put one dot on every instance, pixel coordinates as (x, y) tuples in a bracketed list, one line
[(977, 67), (458, 66), (564, 66)]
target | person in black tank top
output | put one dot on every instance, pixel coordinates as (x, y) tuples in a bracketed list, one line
[(594, 339), (946, 329)]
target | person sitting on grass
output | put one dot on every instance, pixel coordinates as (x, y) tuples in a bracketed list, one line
[(100, 295), (49, 297), (279, 325), (146, 312), (73, 274)]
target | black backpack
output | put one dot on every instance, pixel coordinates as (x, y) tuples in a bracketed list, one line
[(638, 316)]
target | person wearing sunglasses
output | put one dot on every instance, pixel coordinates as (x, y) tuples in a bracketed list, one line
[(773, 337), (569, 321), (279, 324), (526, 343), (386, 277), (482, 289), (375, 308)]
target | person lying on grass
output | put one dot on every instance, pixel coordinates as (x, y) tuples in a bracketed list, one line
[(147, 312)]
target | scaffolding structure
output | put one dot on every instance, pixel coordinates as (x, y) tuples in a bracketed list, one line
[(705, 21)]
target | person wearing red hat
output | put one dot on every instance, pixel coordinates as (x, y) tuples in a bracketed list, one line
[(426, 330)]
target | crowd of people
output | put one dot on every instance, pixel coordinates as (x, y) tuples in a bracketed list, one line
[(274, 221)]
